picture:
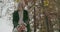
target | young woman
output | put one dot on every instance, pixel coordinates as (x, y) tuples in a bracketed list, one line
[(21, 19)]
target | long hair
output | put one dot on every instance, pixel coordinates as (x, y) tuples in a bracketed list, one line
[(21, 4)]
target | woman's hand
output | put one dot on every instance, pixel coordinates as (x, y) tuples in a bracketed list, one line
[(21, 28)]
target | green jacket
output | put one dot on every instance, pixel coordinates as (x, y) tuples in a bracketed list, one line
[(25, 19), (25, 16), (16, 17)]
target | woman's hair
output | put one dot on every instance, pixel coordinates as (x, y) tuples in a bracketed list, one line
[(22, 4)]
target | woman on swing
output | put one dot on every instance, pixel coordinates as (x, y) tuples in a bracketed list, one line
[(20, 19)]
